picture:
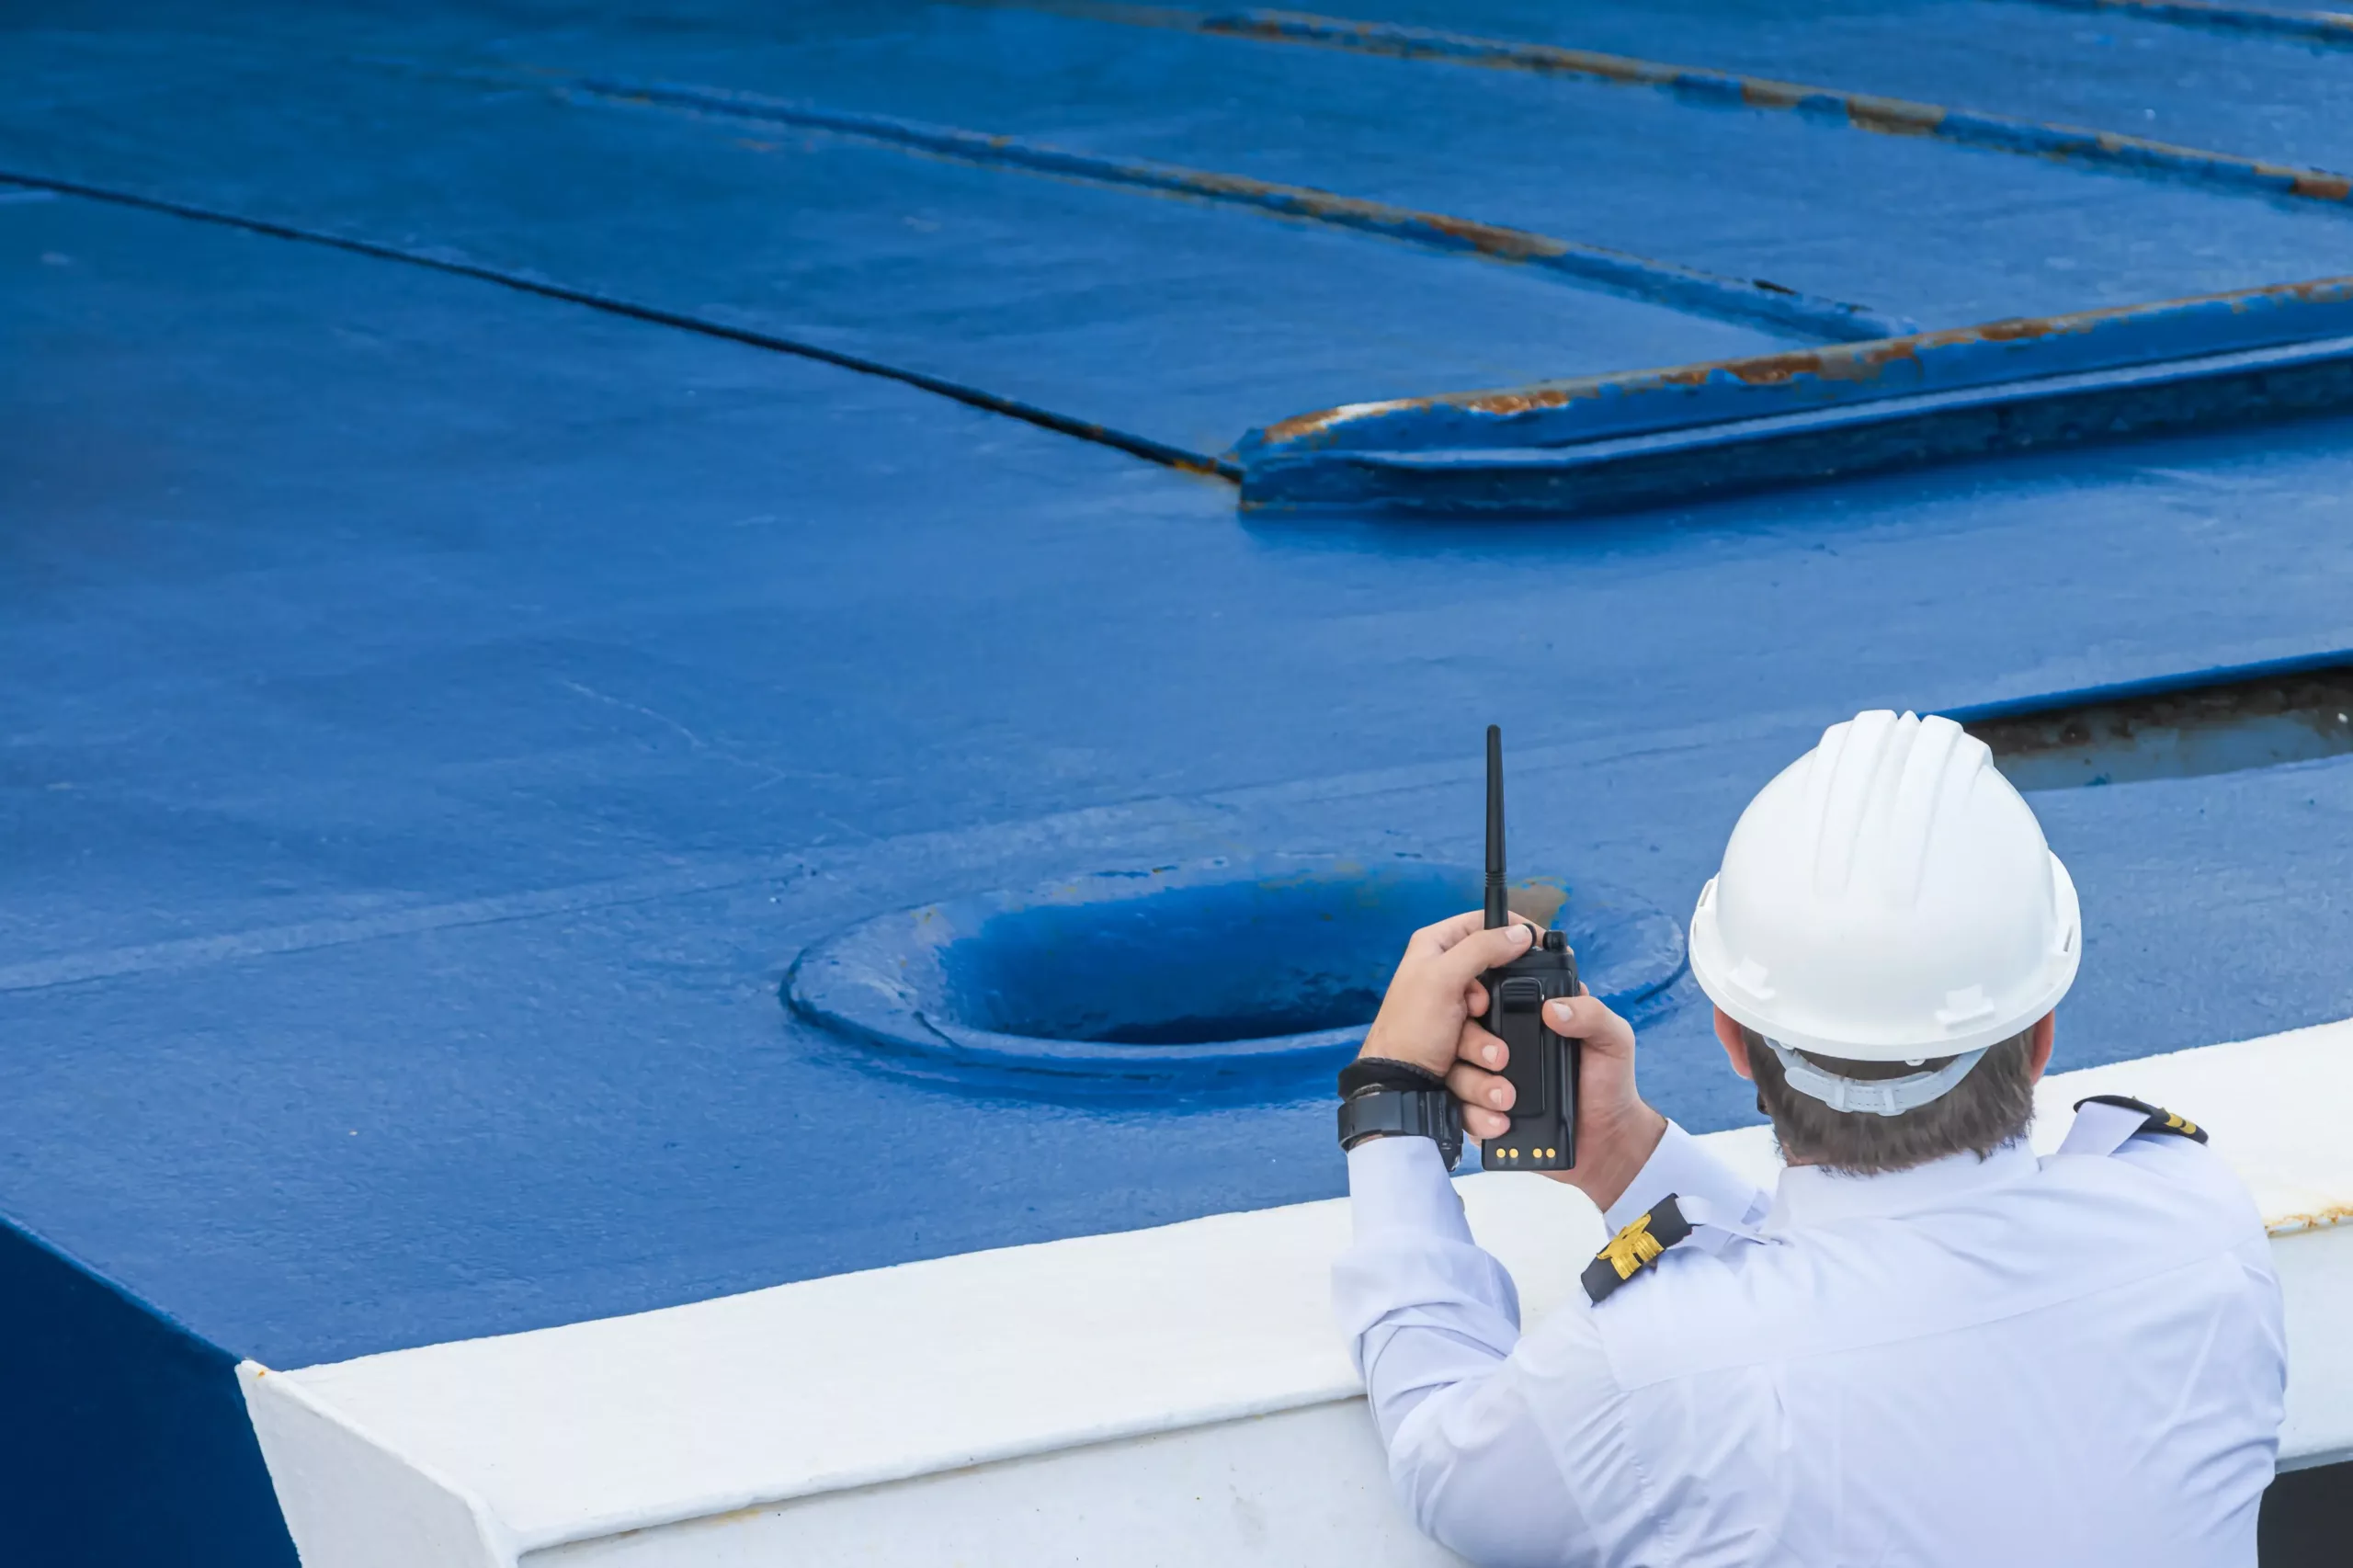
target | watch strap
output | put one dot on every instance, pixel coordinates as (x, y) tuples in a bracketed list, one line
[(1377, 1111)]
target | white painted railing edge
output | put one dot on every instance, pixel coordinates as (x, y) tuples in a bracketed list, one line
[(992, 1364), (364, 1503)]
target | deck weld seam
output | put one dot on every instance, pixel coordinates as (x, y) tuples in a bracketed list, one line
[(2317, 27), (1877, 113), (1646, 278), (652, 315)]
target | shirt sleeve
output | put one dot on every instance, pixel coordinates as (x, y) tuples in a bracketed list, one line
[(1432, 1320), (1422, 1307), (1507, 1452)]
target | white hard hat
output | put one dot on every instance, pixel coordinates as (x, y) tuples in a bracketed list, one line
[(1888, 898)]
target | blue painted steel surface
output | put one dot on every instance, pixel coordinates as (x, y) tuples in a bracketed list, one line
[(1905, 226), (126, 1439), (2333, 659), (1810, 447), (2290, 21), (1609, 442), (1784, 309), (419, 823), (1158, 981), (1047, 292), (2264, 96), (2000, 354), (1865, 111), (26, 184), (434, 717)]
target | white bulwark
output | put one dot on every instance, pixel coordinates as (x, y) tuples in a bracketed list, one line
[(1175, 1396)]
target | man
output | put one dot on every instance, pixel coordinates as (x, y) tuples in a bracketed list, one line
[(1927, 1346)]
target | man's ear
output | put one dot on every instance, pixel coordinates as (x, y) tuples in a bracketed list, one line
[(1736, 1048), (2038, 1050)]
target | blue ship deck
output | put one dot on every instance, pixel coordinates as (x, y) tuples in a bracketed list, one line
[(436, 713)]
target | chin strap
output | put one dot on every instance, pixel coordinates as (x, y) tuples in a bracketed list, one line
[(1878, 1097)]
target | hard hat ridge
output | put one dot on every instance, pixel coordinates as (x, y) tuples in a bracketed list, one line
[(1875, 788), (1887, 897)]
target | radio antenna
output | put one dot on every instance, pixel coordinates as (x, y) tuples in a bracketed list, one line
[(1498, 903)]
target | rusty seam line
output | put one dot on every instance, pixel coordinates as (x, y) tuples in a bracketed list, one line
[(1593, 264), (2318, 26), (1841, 363), (1862, 111), (655, 316), (1862, 439), (1694, 436)]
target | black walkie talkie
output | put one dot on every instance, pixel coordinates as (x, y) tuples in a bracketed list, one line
[(1543, 1070)]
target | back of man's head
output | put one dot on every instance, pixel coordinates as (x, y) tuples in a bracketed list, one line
[(1991, 1105), (1887, 930)]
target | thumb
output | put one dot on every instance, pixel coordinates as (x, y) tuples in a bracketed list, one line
[(1585, 1017)]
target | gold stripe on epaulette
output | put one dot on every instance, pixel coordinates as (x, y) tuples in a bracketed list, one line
[(1631, 1249)]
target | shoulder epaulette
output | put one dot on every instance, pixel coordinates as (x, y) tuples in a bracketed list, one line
[(1638, 1246), (2156, 1118)]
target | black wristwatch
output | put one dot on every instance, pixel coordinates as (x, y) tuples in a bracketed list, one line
[(1381, 1098)]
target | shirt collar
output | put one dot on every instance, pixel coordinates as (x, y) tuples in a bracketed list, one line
[(1814, 1195)]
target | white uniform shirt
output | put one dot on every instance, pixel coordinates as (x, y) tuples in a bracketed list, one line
[(2015, 1363)]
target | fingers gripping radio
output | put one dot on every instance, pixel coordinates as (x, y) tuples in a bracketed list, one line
[(1542, 1066)]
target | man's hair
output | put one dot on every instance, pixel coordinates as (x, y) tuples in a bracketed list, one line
[(1989, 1108)]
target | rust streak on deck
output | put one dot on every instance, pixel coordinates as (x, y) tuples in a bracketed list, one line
[(1856, 362)]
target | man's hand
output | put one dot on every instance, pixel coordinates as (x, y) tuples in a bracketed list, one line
[(1436, 990), (1430, 1018)]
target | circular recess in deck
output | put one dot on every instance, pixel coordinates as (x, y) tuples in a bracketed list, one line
[(1225, 973)]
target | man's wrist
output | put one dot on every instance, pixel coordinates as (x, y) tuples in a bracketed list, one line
[(1682, 1166), (1368, 1071), (1377, 1047), (1610, 1155)]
